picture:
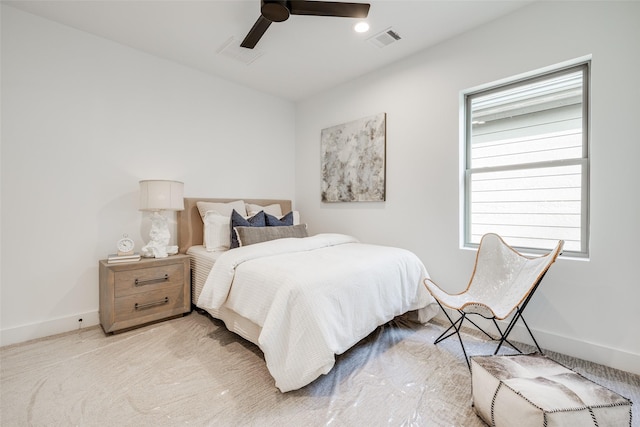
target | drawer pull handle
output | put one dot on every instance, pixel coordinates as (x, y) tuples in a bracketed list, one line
[(152, 304), (139, 282)]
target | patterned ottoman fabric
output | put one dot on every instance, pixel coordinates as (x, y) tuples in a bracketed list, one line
[(533, 390)]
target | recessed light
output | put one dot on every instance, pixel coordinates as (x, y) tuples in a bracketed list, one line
[(361, 27)]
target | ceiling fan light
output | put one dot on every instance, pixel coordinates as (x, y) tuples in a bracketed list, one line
[(361, 27)]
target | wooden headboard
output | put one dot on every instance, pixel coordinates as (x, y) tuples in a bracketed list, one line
[(190, 226)]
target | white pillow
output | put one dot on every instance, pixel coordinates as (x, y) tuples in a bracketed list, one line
[(296, 217), (274, 209), (224, 209), (216, 231)]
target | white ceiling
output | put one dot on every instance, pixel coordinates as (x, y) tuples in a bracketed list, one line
[(299, 57)]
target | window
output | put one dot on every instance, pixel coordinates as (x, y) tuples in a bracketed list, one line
[(526, 162)]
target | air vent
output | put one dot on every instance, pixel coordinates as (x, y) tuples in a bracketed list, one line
[(385, 38), (232, 49)]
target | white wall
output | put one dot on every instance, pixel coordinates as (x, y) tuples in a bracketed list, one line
[(83, 120), (587, 309)]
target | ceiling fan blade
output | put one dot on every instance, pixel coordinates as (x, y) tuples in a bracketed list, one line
[(255, 33), (329, 8)]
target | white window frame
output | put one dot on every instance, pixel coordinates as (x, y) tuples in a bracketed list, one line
[(465, 147)]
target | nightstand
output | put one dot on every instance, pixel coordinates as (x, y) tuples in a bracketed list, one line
[(135, 293)]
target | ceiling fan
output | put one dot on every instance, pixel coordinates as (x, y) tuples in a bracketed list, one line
[(278, 11)]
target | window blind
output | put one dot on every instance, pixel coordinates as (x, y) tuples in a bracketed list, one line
[(527, 163)]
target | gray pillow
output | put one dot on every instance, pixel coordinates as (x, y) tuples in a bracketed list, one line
[(251, 235)]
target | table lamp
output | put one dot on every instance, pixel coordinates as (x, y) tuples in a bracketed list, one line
[(157, 196)]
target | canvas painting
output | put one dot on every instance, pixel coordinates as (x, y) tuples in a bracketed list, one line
[(353, 160)]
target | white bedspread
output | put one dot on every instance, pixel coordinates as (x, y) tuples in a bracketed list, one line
[(316, 297)]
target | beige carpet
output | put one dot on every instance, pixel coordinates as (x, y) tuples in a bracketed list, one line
[(192, 371)]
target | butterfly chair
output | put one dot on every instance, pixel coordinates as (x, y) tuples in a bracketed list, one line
[(502, 283)]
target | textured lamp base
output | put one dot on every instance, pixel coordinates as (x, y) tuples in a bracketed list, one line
[(158, 247)]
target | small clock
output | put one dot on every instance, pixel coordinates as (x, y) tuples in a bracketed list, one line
[(125, 245)]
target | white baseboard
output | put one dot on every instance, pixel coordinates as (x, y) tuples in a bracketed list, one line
[(50, 327), (612, 357)]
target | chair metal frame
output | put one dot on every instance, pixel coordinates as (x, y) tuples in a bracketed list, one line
[(516, 312)]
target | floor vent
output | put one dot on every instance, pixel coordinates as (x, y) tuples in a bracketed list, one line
[(232, 49), (385, 38)]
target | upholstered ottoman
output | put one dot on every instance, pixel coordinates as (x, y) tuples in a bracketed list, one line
[(533, 390)]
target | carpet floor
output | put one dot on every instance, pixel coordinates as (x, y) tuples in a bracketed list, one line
[(192, 371)]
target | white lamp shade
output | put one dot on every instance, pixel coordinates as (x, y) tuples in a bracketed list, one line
[(161, 195)]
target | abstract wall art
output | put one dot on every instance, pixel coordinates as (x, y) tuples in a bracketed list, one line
[(353, 160)]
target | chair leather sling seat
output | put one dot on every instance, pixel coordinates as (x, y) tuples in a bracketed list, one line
[(502, 283)]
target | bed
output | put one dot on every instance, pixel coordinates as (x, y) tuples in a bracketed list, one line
[(301, 300)]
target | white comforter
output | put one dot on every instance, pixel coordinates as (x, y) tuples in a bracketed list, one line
[(316, 297)]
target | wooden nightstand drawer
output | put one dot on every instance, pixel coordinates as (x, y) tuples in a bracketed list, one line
[(149, 306), (135, 293), (142, 280)]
